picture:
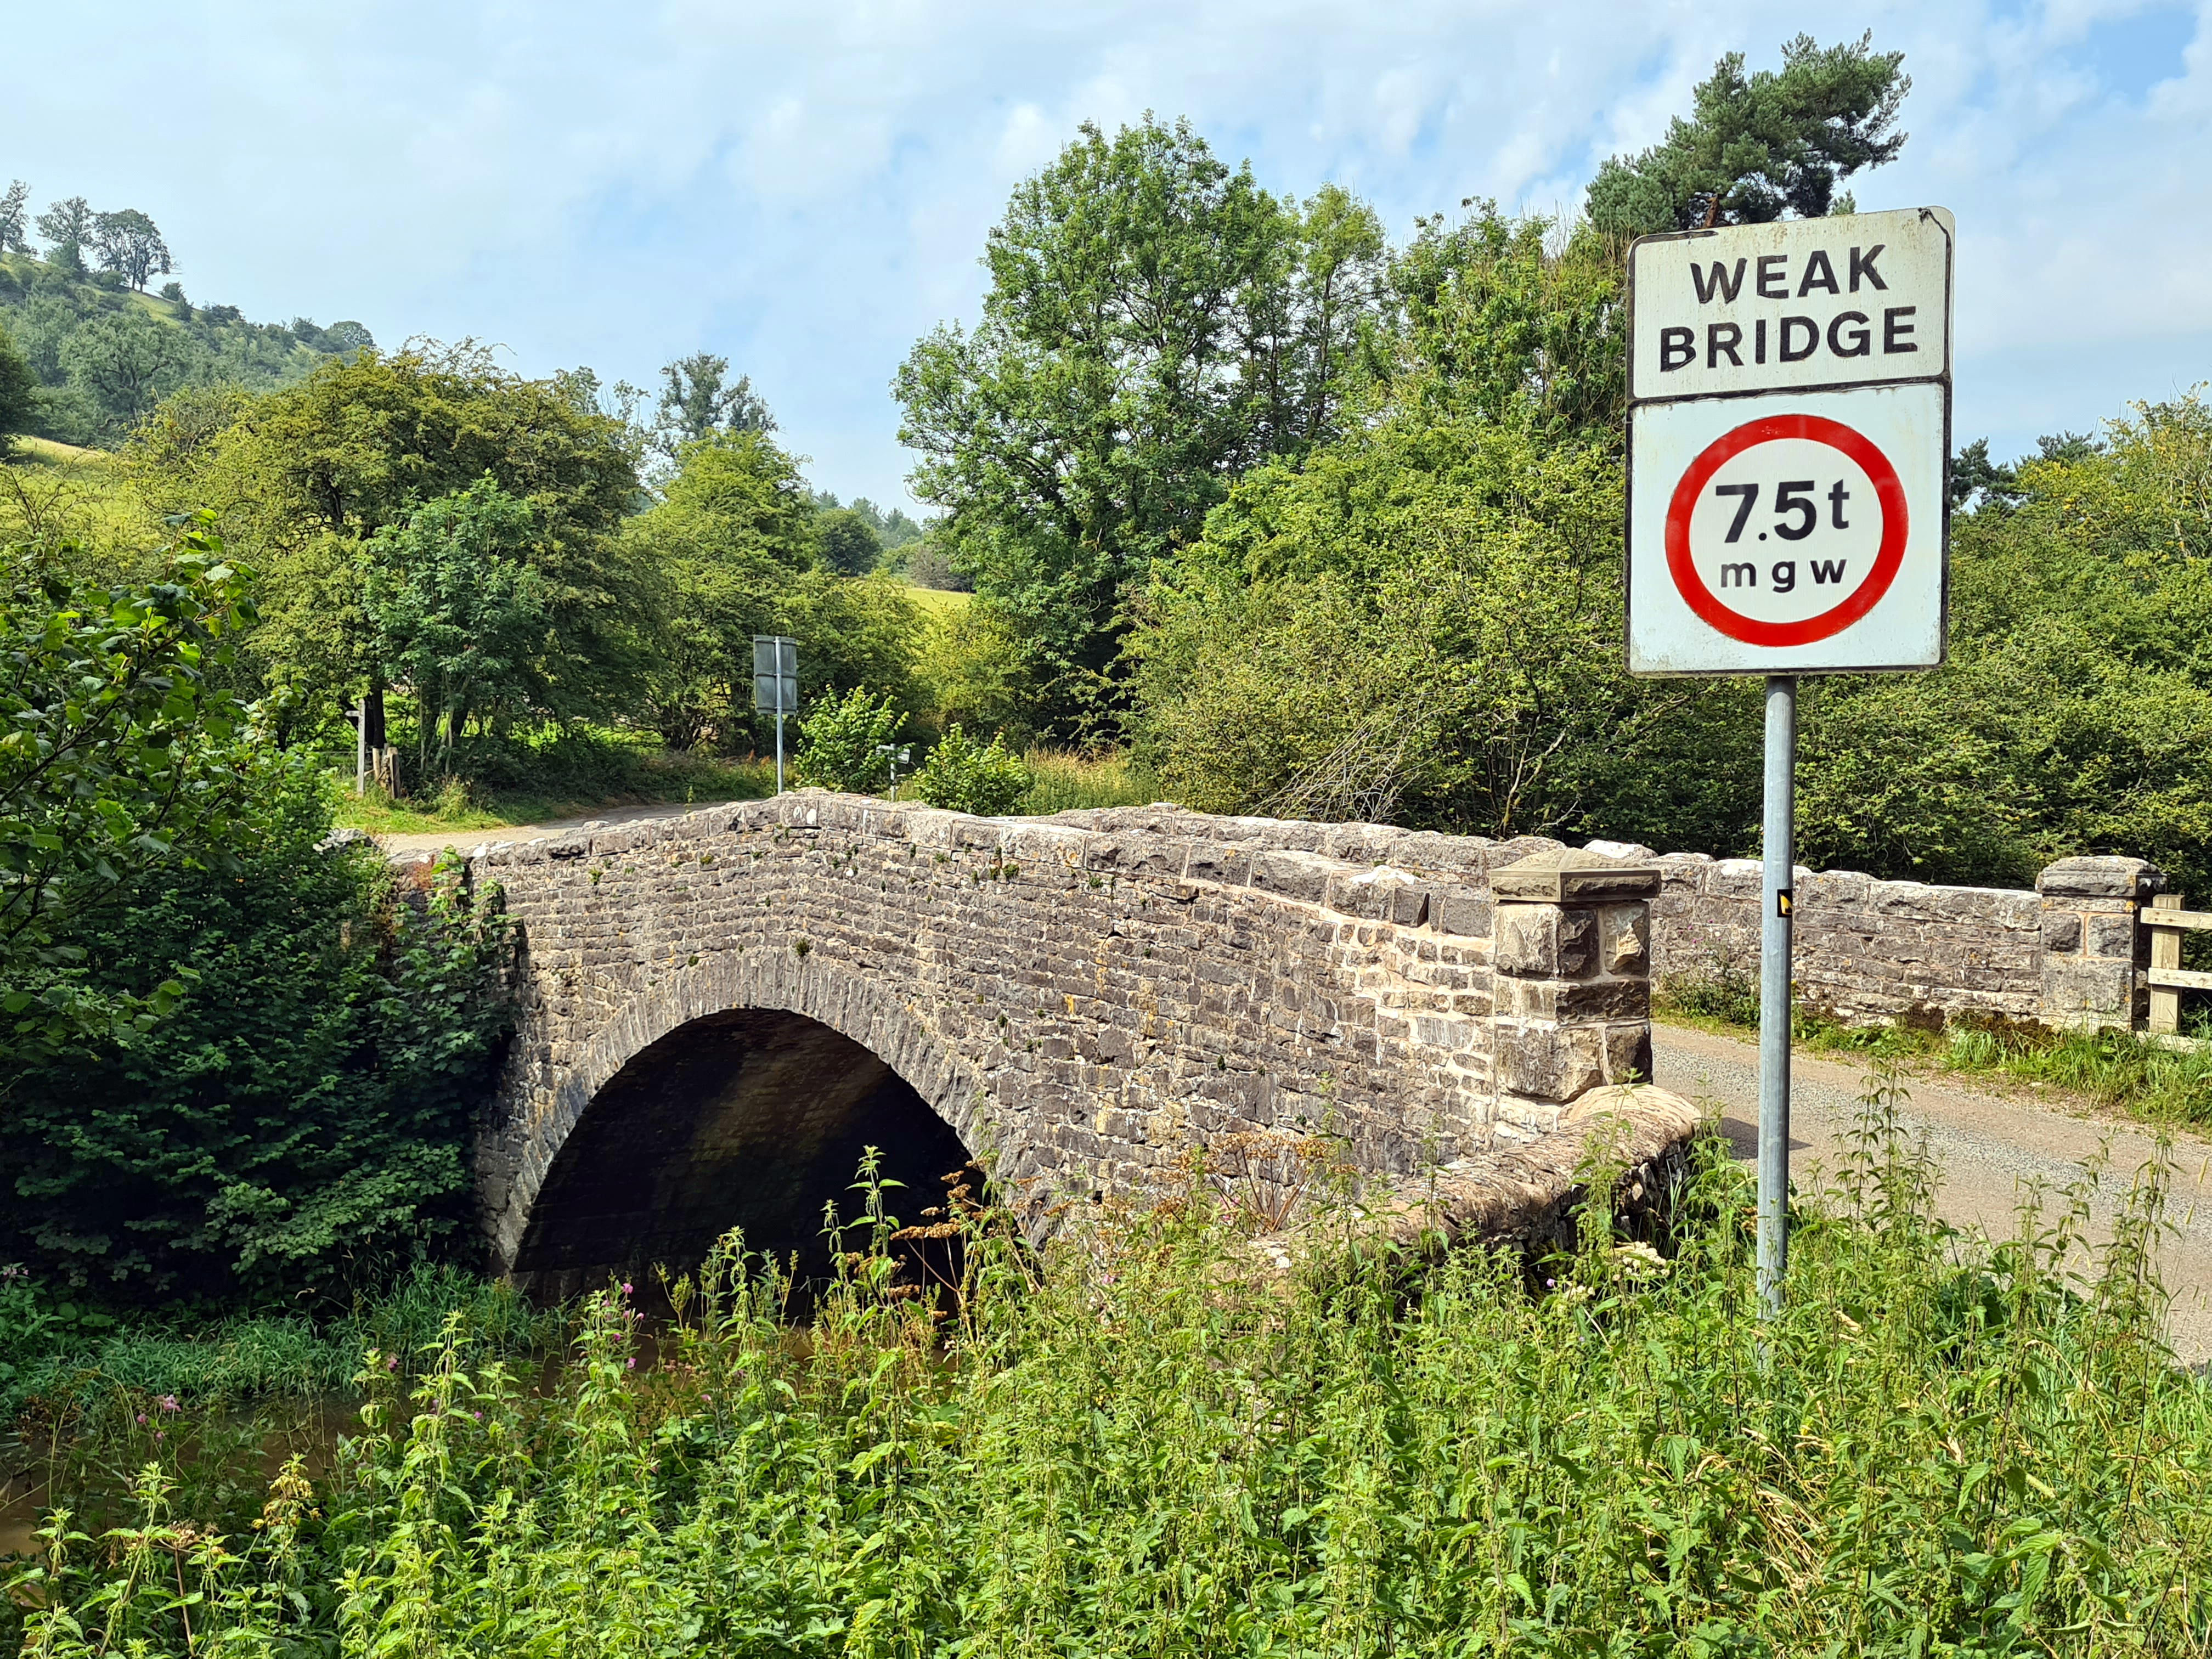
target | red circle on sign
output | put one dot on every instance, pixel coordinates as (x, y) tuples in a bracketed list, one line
[(1888, 489)]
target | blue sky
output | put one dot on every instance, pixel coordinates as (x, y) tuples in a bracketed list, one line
[(805, 189)]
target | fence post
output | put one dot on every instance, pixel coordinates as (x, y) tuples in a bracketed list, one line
[(2165, 952), (1571, 952), (2094, 952)]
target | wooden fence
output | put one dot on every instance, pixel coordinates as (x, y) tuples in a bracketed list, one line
[(2169, 978)]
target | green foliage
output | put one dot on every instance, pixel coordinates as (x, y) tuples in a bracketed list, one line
[(454, 613), (846, 742), (698, 400), (733, 541), (962, 775), (1152, 1440), (124, 363), (135, 350), (67, 226), (1064, 781), (849, 543), (130, 244), (310, 1097), (118, 756), (1156, 322), (2075, 712), (18, 395), (1760, 146), (304, 477)]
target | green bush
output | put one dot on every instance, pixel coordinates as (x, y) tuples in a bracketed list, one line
[(307, 1099), (846, 743), (962, 775)]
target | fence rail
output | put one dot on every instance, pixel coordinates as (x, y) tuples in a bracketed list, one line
[(2169, 978)]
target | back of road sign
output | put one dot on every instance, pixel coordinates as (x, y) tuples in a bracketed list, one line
[(1789, 431)]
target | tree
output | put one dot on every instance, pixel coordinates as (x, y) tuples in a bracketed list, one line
[(19, 395), (305, 1103), (68, 227), (16, 219), (1760, 146), (1156, 322), (455, 610), (308, 474), (119, 750), (125, 361), (695, 402), (733, 539), (849, 543), (129, 245)]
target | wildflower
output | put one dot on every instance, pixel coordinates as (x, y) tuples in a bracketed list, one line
[(393, 1363), (167, 1402), (142, 1420), (625, 1287), (630, 1365)]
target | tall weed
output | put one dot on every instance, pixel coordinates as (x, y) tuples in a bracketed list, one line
[(1148, 1439)]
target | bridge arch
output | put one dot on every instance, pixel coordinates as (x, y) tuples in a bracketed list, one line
[(739, 1091)]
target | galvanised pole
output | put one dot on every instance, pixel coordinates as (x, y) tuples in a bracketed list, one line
[(1774, 992)]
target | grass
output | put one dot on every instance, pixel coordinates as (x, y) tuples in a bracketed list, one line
[(1067, 780), (632, 779), (2116, 1069), (938, 601), (1148, 1441)]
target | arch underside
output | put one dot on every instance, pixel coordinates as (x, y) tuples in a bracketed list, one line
[(749, 1117)]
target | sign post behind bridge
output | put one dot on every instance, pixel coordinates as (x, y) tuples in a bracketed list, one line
[(775, 686), (1789, 437)]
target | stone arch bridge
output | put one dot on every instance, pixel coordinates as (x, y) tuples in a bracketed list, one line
[(717, 1013)]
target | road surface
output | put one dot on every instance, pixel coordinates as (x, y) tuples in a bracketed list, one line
[(1987, 1144)]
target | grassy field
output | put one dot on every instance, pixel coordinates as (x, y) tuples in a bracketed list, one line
[(938, 601)]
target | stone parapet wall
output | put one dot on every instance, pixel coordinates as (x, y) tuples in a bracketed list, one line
[(1865, 950), (2068, 953)]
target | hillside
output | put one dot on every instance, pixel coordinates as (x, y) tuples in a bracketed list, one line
[(106, 355)]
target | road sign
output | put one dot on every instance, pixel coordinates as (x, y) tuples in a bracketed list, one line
[(776, 674), (1788, 444), (1791, 532), (775, 686), (1789, 422)]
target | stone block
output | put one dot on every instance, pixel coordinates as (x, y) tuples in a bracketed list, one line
[(1292, 875), (1462, 910), (1571, 876), (1586, 1001), (1624, 934), (2088, 992), (2100, 878), (1544, 941), (1224, 865), (1549, 1062), (2109, 936), (1409, 905), (1628, 1052)]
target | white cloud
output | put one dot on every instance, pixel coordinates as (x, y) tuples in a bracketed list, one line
[(807, 188)]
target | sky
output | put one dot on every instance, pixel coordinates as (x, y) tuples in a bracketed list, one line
[(805, 189)]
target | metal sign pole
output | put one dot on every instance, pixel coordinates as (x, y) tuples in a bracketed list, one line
[(1774, 992), (779, 741)]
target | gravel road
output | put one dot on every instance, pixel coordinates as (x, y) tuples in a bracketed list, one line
[(1987, 1145)]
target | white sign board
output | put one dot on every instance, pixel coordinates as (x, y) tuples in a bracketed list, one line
[(1789, 426)]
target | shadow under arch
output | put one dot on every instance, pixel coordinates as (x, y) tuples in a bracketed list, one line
[(734, 1094)]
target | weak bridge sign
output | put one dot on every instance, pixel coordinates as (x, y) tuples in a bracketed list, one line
[(1789, 417)]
